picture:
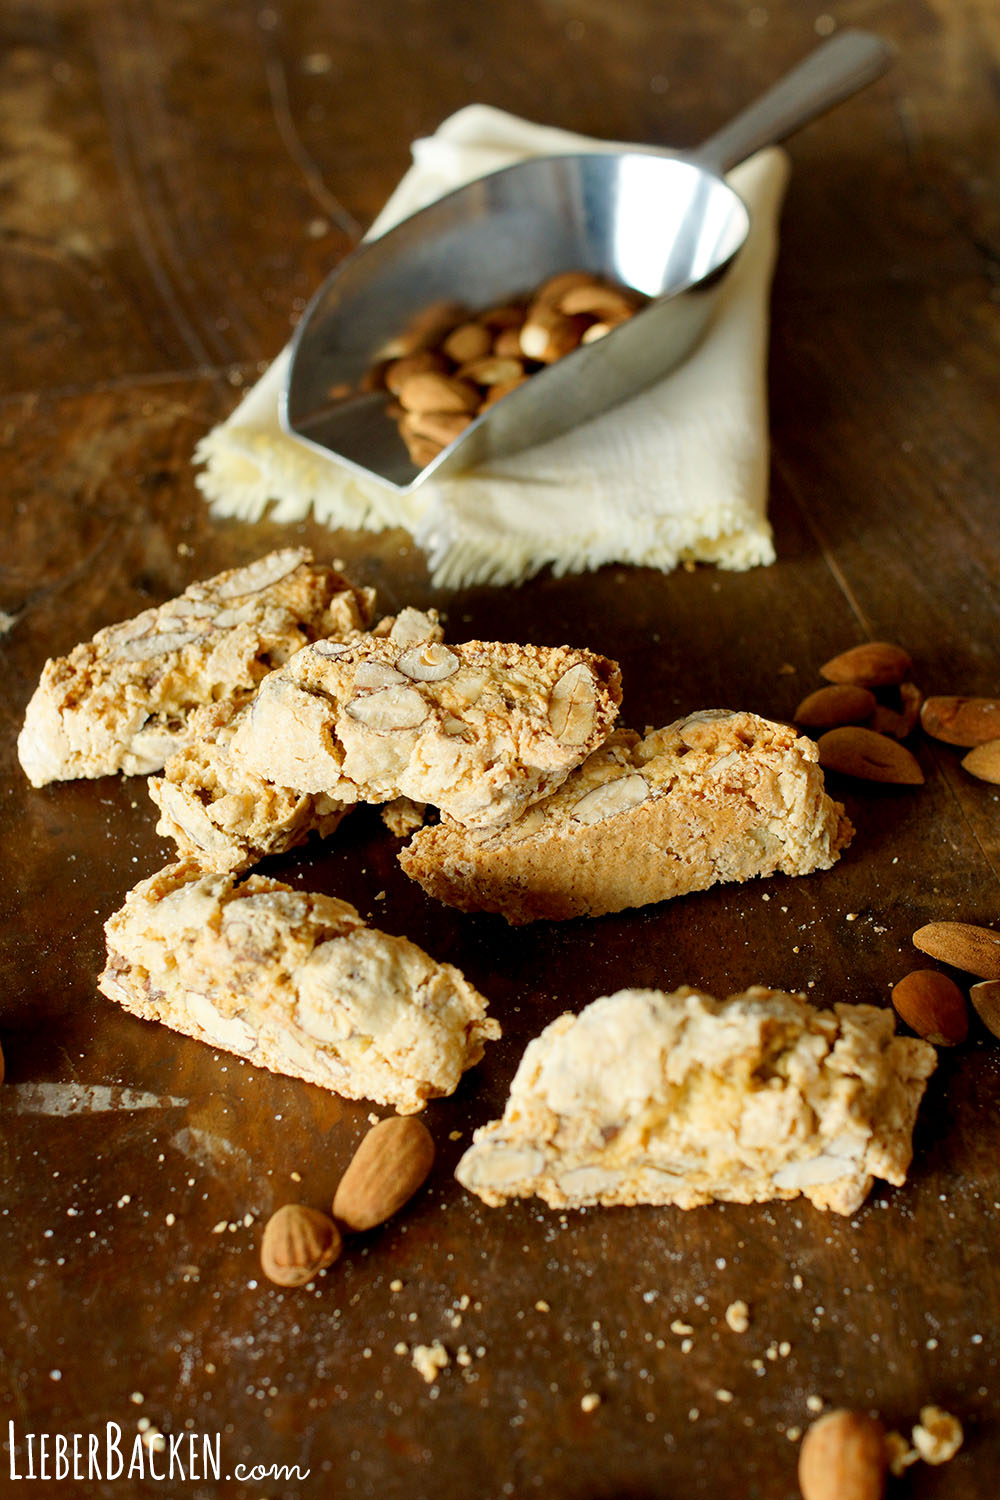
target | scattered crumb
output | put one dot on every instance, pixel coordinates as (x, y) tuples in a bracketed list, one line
[(680, 1328), (373, 1118), (784, 1348), (463, 1357), (723, 1395), (938, 1435), (401, 1348), (738, 1316), (590, 1402), (793, 1434), (396, 1285), (296, 1176), (814, 1403), (899, 1453), (137, 1398), (454, 1135), (430, 1359), (219, 1228), (542, 1306)]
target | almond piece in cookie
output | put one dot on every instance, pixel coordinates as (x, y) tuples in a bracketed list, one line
[(646, 1097), (123, 701), (716, 797), (479, 730), (222, 814), (296, 983)]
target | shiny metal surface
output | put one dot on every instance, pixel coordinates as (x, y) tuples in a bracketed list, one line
[(667, 226)]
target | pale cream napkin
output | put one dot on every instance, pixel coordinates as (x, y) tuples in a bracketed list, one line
[(679, 472)]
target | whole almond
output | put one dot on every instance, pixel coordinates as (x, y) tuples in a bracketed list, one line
[(508, 315), (608, 303), (871, 757), (965, 946), (468, 341), (441, 427), (843, 1457), (298, 1242), (507, 344), (873, 664), (431, 391), (562, 282), (961, 721), (984, 761), (933, 1006), (985, 997), (548, 334), (388, 1167), (491, 370), (399, 371), (840, 703)]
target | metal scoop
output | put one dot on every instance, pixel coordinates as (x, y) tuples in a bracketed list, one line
[(667, 226)]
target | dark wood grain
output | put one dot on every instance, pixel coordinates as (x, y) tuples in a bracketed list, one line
[(176, 180)]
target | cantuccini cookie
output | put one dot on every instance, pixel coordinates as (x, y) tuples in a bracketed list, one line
[(682, 1099), (225, 816), (123, 701), (479, 730), (717, 796), (296, 983)]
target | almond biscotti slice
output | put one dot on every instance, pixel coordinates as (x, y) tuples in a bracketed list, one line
[(222, 814), (122, 702), (718, 796), (295, 983), (682, 1099), (478, 730)]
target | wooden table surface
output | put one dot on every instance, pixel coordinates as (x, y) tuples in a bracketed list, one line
[(175, 179)]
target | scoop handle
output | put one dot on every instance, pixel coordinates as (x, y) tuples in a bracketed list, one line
[(834, 71)]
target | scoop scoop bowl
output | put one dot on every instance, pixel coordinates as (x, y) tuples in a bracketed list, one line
[(668, 226)]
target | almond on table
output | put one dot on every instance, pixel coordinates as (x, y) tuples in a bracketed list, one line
[(844, 1457), (298, 1242), (123, 701), (390, 1164), (961, 721), (715, 797), (646, 1097), (479, 730), (296, 983), (872, 664)]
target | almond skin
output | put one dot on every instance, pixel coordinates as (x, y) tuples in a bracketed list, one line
[(388, 1167), (965, 946), (843, 1457), (985, 997), (298, 1242), (840, 703), (873, 664), (984, 761), (871, 757), (933, 1006), (961, 721)]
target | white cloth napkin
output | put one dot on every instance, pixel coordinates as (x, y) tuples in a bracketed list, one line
[(678, 473)]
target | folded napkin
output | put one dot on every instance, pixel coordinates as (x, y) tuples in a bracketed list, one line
[(677, 473)]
